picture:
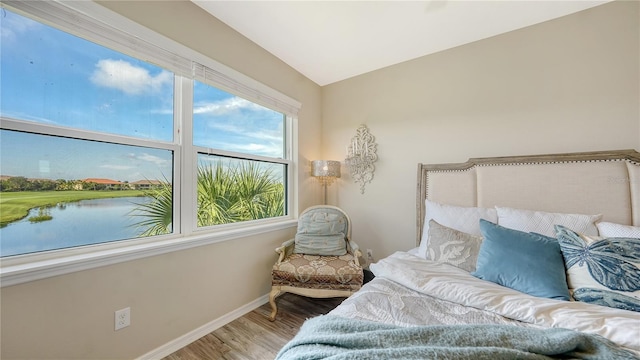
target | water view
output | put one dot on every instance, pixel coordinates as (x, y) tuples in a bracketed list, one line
[(78, 223), (82, 121)]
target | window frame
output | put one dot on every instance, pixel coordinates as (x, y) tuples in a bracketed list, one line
[(104, 27)]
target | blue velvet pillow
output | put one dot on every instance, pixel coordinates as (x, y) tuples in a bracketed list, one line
[(527, 262)]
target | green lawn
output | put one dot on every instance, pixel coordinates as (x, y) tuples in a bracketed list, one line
[(16, 205)]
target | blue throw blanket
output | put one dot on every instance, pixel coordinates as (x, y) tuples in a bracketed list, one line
[(333, 337)]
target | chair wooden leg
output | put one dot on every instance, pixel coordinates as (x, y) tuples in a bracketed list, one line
[(275, 292)]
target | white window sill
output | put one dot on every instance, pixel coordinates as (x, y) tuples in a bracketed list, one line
[(36, 270)]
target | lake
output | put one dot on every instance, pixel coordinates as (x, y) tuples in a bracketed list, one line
[(78, 223)]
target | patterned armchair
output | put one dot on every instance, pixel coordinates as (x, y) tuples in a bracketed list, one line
[(321, 261)]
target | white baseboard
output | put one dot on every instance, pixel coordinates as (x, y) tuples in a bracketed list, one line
[(186, 339)]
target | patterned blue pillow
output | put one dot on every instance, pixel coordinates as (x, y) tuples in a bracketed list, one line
[(529, 263), (607, 298), (607, 264)]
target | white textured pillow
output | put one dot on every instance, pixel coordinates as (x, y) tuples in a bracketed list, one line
[(453, 247), (543, 222), (461, 218), (608, 229)]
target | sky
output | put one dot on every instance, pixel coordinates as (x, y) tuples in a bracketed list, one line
[(51, 77)]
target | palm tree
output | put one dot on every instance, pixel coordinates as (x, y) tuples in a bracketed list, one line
[(226, 194), (215, 196), (158, 213), (255, 191)]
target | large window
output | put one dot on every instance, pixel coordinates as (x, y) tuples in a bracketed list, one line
[(245, 187), (52, 77), (99, 146)]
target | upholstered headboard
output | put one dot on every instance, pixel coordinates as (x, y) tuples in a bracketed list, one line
[(603, 182)]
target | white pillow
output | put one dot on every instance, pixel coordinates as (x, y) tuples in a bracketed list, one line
[(461, 218), (453, 247), (543, 222), (608, 229)]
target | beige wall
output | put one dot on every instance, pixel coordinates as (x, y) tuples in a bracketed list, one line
[(71, 316), (571, 84)]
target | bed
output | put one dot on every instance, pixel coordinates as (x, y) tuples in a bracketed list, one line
[(529, 257)]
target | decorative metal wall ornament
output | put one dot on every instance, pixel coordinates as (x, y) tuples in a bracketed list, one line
[(361, 154)]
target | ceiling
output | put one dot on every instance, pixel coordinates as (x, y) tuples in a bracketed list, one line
[(329, 41)]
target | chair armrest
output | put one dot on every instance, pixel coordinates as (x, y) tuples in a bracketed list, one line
[(285, 249), (354, 249)]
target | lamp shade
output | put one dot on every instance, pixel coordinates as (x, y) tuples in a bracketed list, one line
[(325, 168)]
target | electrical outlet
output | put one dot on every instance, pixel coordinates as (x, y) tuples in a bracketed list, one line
[(370, 255), (123, 318)]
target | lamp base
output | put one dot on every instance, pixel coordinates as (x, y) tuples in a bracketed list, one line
[(324, 193)]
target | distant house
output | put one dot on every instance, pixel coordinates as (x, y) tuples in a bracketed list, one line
[(101, 184), (146, 184)]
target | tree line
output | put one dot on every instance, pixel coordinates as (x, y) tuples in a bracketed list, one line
[(21, 183)]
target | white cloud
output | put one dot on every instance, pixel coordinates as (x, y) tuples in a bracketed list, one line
[(152, 158), (269, 136), (253, 148), (13, 24), (25, 116), (251, 127), (227, 106), (116, 167), (275, 136), (130, 79), (267, 143)]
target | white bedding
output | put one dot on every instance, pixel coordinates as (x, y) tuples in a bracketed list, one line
[(386, 301), (409, 290)]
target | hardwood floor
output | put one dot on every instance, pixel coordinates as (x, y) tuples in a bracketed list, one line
[(253, 336)]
